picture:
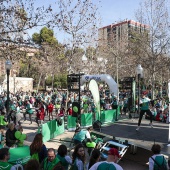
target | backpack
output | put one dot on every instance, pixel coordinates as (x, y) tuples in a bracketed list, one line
[(161, 167), (35, 156)]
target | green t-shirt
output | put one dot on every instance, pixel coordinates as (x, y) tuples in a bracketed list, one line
[(80, 136), (145, 104), (5, 166), (104, 166)]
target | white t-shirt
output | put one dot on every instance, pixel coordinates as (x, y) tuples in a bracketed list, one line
[(95, 166), (88, 135)]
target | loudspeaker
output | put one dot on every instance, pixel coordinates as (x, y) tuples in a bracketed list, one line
[(97, 125)]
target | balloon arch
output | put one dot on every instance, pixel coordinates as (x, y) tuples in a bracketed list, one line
[(113, 87)]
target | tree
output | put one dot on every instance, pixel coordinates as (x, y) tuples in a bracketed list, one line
[(16, 18), (78, 19), (152, 49), (46, 35), (52, 52)]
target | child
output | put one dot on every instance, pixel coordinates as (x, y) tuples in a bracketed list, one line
[(40, 113)]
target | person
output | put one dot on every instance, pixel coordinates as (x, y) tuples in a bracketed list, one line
[(58, 167), (32, 164), (95, 157), (40, 113), (61, 112), (51, 161), (11, 140), (50, 110), (18, 115), (110, 163), (11, 111), (29, 111), (78, 157), (1, 104), (144, 102), (157, 158), (81, 135), (70, 111), (37, 147), (63, 157), (3, 121), (4, 157)]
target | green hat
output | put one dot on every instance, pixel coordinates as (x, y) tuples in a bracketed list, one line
[(91, 144)]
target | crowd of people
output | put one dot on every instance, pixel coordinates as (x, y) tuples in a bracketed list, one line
[(52, 105), (42, 158)]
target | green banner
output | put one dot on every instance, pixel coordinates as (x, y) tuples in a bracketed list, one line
[(51, 129), (109, 115), (20, 155), (71, 123), (86, 119)]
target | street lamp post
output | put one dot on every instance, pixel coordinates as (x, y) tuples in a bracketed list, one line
[(8, 66), (14, 76), (139, 71)]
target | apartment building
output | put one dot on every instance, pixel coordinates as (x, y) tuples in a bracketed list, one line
[(120, 32)]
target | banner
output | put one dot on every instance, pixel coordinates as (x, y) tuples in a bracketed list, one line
[(19, 155), (86, 120), (51, 129), (93, 87)]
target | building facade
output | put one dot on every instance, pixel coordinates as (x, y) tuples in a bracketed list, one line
[(119, 33)]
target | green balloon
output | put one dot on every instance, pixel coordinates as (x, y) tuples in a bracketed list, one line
[(75, 109), (18, 134), (22, 137)]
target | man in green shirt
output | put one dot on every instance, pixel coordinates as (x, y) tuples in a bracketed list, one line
[(4, 157), (51, 161)]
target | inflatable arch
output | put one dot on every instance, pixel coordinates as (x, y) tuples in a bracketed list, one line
[(113, 87)]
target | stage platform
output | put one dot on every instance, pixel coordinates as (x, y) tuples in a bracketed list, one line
[(144, 138)]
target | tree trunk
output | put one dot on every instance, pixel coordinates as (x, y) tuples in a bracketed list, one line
[(53, 81), (39, 82), (153, 86)]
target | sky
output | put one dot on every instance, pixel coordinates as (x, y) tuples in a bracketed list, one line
[(116, 10), (110, 11)]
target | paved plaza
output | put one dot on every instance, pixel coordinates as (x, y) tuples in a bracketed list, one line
[(124, 129)]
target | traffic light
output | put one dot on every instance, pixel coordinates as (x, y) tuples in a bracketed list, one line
[(75, 109)]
